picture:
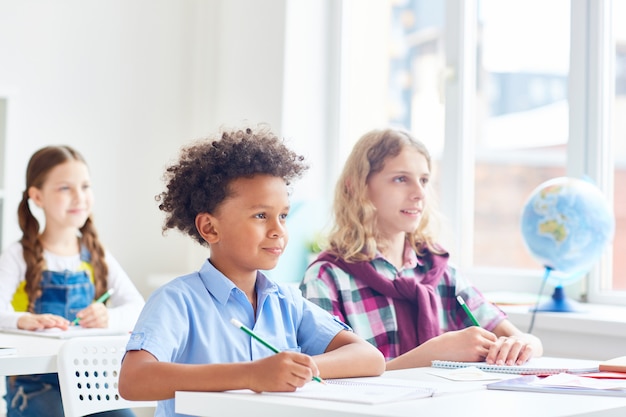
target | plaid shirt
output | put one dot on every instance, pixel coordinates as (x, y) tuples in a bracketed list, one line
[(372, 315)]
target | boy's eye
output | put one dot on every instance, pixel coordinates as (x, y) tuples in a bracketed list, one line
[(400, 179), (260, 216), (284, 216), (425, 181)]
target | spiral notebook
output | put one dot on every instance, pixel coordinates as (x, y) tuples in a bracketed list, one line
[(535, 366)]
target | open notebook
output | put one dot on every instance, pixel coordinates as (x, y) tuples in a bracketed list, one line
[(73, 331), (360, 390), (562, 384), (535, 366)]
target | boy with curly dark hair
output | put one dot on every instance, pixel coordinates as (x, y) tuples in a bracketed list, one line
[(231, 194)]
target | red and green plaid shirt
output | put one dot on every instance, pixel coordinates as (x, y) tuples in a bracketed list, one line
[(372, 315)]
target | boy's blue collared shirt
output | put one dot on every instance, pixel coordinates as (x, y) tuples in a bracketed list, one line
[(188, 321)]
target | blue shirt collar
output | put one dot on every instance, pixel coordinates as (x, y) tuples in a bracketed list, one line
[(220, 287)]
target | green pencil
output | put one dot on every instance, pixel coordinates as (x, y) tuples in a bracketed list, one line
[(240, 325), (100, 299), (467, 310)]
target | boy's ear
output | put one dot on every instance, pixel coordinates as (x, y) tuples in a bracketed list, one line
[(207, 227), (35, 195)]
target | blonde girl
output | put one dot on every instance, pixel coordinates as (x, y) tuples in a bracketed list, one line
[(384, 274)]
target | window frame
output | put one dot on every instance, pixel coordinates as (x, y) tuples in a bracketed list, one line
[(591, 87)]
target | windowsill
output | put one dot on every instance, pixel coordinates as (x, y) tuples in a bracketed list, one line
[(593, 320), (598, 332)]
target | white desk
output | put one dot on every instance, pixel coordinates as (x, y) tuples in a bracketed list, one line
[(476, 401), (35, 355)]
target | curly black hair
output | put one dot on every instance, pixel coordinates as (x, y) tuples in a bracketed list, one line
[(199, 181)]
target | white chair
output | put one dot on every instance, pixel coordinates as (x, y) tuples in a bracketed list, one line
[(88, 375)]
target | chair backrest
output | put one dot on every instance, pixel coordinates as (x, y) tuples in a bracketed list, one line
[(88, 375)]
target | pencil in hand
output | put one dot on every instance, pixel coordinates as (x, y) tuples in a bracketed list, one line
[(100, 299), (467, 310), (247, 330)]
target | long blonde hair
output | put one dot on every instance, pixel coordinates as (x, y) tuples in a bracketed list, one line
[(354, 236), (40, 164)]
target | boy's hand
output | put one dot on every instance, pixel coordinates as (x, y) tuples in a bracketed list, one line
[(284, 371), (41, 321)]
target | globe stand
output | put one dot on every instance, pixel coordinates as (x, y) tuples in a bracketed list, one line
[(559, 303)]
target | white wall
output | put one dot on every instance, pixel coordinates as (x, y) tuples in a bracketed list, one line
[(127, 83)]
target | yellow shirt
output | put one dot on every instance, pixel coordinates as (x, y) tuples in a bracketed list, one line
[(20, 298)]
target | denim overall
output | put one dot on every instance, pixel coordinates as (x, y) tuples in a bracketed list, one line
[(64, 294)]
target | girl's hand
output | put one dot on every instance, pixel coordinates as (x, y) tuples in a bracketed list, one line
[(510, 350), (30, 321), (471, 344), (513, 346), (96, 315), (284, 371)]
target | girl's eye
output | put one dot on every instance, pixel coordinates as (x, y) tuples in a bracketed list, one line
[(425, 181), (400, 179), (260, 216), (284, 216)]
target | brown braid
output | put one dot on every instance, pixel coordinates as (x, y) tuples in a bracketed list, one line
[(33, 251), (40, 164), (100, 267)]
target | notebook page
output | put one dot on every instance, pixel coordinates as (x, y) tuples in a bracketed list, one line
[(359, 391)]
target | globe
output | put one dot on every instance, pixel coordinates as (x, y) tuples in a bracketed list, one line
[(567, 224)]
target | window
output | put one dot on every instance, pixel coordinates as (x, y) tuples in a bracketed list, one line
[(505, 97), (521, 119), (619, 144)]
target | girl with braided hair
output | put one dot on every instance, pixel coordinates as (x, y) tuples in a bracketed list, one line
[(52, 275)]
